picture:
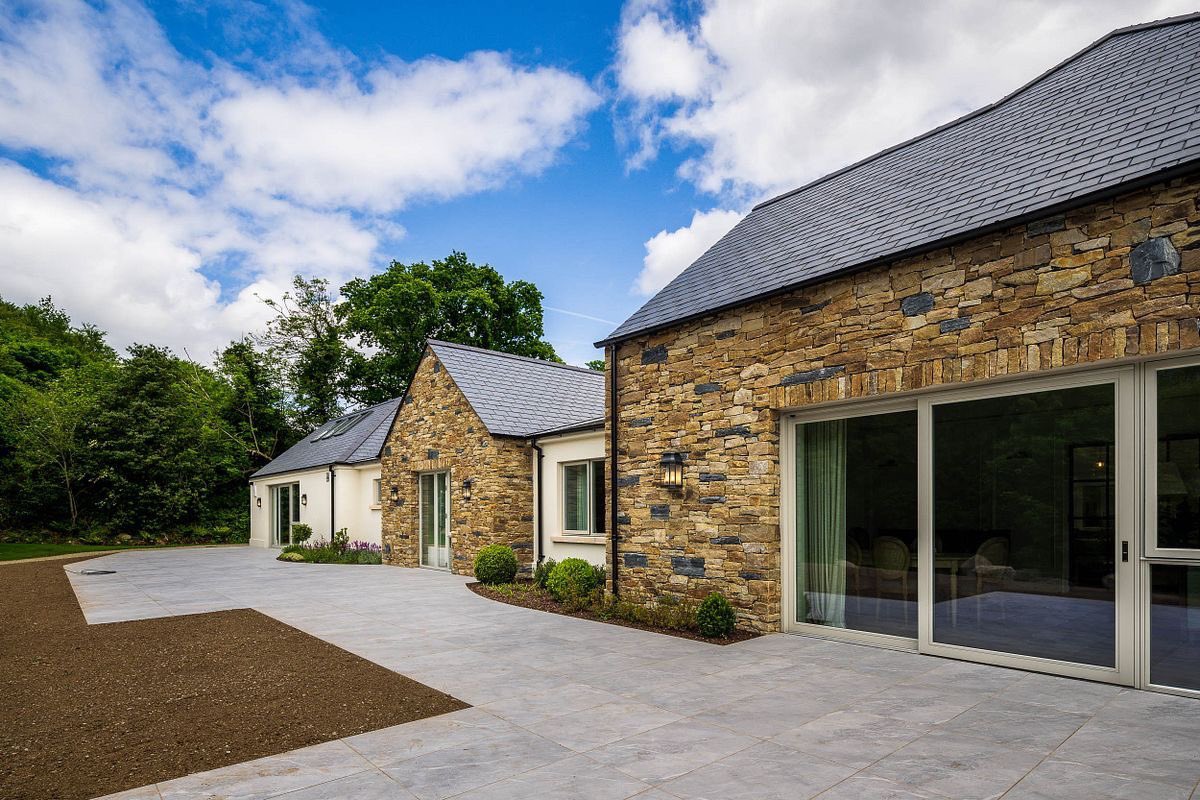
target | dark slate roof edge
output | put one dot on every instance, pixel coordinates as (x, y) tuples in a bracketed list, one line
[(1161, 23), (1120, 187), (261, 474), (539, 361), (265, 470), (576, 427)]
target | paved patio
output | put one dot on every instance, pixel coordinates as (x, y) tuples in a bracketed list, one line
[(567, 708)]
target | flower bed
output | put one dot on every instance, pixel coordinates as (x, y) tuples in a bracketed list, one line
[(321, 552)]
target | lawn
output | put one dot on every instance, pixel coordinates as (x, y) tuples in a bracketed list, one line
[(15, 552)]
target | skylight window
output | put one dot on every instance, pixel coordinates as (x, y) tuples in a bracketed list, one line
[(339, 427)]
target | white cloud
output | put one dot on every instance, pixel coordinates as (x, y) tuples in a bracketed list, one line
[(156, 171), (791, 91), (669, 252)]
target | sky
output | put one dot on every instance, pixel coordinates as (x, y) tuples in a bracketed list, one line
[(166, 166)]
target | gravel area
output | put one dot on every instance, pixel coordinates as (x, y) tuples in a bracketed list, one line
[(90, 710)]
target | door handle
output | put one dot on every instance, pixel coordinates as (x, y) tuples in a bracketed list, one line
[(1124, 550)]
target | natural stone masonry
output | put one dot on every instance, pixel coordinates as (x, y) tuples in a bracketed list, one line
[(436, 429), (1109, 280)]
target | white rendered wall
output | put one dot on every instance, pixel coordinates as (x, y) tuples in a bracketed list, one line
[(555, 452), (352, 503)]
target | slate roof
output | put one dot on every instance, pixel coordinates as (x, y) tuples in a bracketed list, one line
[(518, 396), (1121, 111), (363, 442)]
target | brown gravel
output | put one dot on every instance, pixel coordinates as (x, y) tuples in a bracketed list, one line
[(540, 601), (86, 710)]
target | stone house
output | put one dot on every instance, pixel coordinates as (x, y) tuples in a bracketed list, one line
[(947, 398), (477, 436)]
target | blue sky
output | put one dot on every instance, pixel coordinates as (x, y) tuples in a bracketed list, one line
[(164, 166)]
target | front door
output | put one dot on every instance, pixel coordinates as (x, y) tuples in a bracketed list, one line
[(285, 505), (435, 520)]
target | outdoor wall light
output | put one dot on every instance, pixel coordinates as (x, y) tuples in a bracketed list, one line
[(466, 489), (258, 502), (672, 470), (395, 495), (303, 499)]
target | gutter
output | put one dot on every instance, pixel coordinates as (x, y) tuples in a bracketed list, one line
[(541, 553), (612, 443), (332, 529)]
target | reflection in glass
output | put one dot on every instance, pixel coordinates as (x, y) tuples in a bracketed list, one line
[(856, 523), (1175, 626), (1024, 524), (1179, 458)]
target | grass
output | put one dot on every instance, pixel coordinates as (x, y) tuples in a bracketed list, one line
[(16, 552)]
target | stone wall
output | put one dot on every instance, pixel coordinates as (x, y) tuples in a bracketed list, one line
[(436, 429), (1110, 280)]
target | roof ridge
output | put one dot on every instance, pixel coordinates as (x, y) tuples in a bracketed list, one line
[(1141, 26), (513, 356)]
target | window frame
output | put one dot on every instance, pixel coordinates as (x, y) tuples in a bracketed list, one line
[(376, 492), (589, 481), (1151, 550)]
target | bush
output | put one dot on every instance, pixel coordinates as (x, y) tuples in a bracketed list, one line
[(292, 548), (572, 579), (496, 564), (301, 533), (715, 617), (292, 556), (541, 572), (369, 557)]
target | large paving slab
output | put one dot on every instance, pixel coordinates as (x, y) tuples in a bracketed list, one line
[(567, 708)]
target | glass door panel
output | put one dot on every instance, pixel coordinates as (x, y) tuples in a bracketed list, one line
[(856, 523), (434, 520), (1177, 461), (285, 512), (443, 519), (1175, 626), (1024, 525)]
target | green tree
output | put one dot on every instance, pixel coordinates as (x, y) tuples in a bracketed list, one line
[(307, 337), (453, 299), (596, 364)]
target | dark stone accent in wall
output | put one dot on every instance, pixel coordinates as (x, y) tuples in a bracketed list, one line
[(692, 566), (729, 334), (750, 576), (437, 366), (814, 307), (1153, 259), (726, 540), (654, 355), (713, 499), (811, 375), (707, 388), (705, 477), (636, 559), (952, 325), (623, 519), (662, 511), (521, 545), (1047, 225), (736, 430), (629, 480), (432, 455), (916, 304), (387, 450), (641, 422)]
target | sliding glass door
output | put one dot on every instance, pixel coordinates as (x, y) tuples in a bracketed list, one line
[(435, 519), (285, 512), (988, 523)]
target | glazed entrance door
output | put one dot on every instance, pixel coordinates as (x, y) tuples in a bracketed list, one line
[(435, 520)]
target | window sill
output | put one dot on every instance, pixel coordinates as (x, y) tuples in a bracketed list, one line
[(579, 538), (376, 507)]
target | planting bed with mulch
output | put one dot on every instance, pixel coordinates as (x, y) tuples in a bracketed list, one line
[(87, 710), (528, 597)]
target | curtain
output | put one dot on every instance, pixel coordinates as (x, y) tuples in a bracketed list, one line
[(821, 521)]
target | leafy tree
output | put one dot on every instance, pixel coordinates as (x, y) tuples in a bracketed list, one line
[(307, 336), (453, 299), (596, 364)]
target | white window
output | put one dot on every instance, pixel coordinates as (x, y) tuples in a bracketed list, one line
[(377, 492), (583, 498)]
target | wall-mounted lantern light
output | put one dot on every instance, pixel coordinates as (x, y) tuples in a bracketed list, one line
[(395, 495), (303, 499), (466, 488), (258, 502), (672, 470)]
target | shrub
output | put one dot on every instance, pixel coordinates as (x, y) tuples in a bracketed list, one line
[(542, 572), (601, 576), (572, 578), (301, 533), (715, 617), (292, 556), (340, 540), (369, 557), (292, 548), (496, 564)]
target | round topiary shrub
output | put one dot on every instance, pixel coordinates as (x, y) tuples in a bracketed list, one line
[(715, 616), (293, 556), (572, 578), (301, 533), (496, 564)]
